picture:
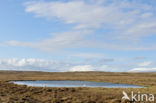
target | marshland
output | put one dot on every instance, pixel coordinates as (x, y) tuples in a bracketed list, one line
[(13, 93)]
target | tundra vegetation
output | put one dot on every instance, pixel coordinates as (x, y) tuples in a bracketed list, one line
[(12, 93)]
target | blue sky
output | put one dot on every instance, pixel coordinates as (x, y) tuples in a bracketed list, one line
[(78, 35)]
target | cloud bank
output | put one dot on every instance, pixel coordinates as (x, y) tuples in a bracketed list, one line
[(143, 70), (128, 24), (32, 64), (105, 65)]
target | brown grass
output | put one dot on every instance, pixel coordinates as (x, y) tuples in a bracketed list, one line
[(12, 93)]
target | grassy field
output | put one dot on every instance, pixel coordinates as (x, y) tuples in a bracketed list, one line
[(12, 93)]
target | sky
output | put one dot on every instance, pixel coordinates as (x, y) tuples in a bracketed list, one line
[(78, 35)]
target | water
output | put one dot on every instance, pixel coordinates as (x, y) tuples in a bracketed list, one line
[(74, 84)]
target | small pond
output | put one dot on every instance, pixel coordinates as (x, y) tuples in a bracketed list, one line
[(74, 84)]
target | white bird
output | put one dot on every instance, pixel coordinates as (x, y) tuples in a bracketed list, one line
[(125, 95)]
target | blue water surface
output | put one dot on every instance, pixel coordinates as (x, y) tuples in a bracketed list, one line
[(74, 84)]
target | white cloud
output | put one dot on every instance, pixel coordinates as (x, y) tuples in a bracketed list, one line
[(147, 66), (146, 15), (83, 14), (139, 30), (70, 12), (128, 17), (29, 64), (87, 55), (90, 68), (59, 41), (82, 68), (147, 63), (64, 42), (127, 20), (143, 70), (32, 64)]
